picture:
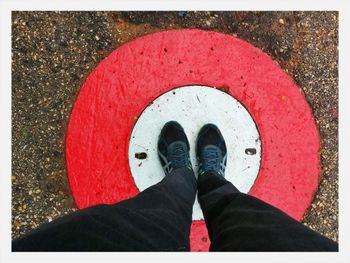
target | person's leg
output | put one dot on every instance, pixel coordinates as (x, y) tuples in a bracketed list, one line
[(157, 219), (239, 222)]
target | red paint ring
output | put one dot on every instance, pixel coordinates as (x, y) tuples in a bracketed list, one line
[(132, 76)]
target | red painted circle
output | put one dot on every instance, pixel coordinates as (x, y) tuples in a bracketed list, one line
[(132, 76)]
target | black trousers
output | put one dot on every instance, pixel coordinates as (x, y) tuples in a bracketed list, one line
[(159, 219)]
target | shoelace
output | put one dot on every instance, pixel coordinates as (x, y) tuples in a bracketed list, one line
[(179, 155), (212, 160)]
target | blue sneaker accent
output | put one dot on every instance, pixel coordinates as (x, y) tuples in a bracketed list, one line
[(173, 148), (213, 160), (211, 151)]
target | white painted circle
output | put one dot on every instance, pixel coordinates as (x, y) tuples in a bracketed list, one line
[(193, 107)]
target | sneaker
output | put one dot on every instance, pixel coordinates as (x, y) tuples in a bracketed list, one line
[(211, 151), (173, 148)]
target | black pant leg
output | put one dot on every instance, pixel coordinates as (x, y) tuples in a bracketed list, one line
[(239, 222), (157, 219)]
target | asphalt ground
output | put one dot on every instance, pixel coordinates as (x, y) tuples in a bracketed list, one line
[(54, 52)]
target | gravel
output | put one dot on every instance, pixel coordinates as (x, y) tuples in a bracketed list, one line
[(54, 52)]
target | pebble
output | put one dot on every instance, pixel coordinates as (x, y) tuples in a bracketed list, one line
[(182, 13), (17, 223)]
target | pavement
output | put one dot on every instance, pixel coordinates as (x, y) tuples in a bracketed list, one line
[(54, 52)]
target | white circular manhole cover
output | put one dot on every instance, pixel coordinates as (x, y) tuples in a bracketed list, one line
[(193, 107)]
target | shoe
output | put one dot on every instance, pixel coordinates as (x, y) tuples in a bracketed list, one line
[(211, 151), (173, 148)]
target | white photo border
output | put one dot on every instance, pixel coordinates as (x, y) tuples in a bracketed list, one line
[(7, 6)]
